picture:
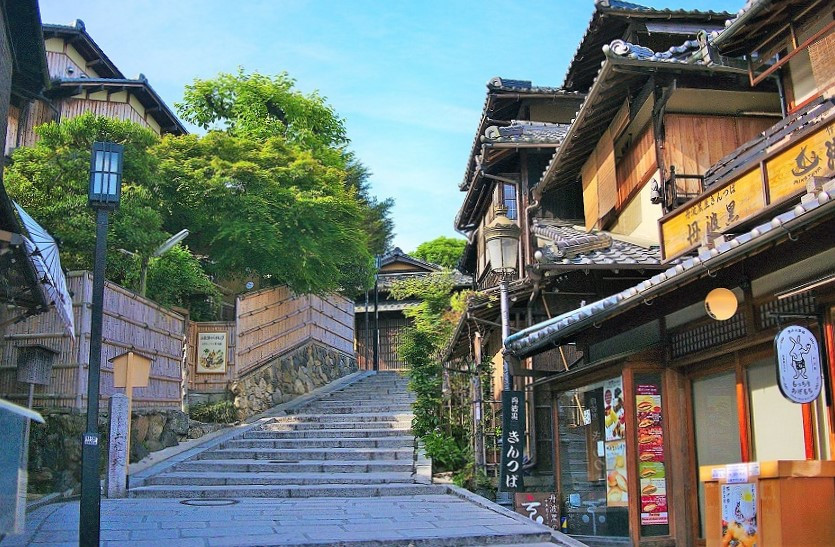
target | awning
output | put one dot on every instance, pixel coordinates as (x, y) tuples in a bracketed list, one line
[(812, 209), (42, 252)]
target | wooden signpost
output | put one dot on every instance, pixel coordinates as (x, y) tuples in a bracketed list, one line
[(131, 370)]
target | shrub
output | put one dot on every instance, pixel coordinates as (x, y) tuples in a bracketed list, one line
[(221, 412), (445, 451)]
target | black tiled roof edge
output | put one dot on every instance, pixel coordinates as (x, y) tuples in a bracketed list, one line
[(613, 7), (521, 131), (497, 85), (175, 125), (697, 60), (79, 29), (676, 54), (573, 247)]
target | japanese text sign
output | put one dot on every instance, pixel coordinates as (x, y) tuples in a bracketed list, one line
[(513, 440)]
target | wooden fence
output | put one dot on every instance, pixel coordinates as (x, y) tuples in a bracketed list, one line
[(269, 323), (130, 322)]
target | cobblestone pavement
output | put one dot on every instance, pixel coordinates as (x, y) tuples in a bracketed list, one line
[(396, 520)]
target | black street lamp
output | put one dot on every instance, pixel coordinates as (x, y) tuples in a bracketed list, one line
[(104, 194), (501, 238), (378, 263)]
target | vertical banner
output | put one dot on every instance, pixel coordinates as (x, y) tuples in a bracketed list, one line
[(513, 440), (211, 352), (651, 459), (614, 414)]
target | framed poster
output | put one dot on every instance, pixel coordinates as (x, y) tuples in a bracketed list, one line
[(211, 353)]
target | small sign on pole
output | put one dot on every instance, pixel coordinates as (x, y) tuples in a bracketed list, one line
[(798, 364), (131, 370), (513, 440)]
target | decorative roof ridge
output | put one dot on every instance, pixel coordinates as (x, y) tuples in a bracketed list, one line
[(397, 253), (569, 241), (526, 131), (678, 54)]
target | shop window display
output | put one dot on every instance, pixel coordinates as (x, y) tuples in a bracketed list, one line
[(593, 470)]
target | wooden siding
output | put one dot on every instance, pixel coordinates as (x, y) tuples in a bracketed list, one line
[(30, 116), (59, 63), (600, 192), (74, 107), (272, 321), (130, 322), (693, 143), (13, 122), (636, 166), (211, 383)]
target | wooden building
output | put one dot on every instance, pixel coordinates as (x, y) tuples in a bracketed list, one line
[(587, 225), (395, 266), (83, 79), (717, 148)]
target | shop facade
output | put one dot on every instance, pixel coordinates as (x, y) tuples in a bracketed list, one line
[(671, 389)]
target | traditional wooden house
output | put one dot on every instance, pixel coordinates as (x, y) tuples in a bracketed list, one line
[(84, 79), (719, 148), (572, 248), (386, 319)]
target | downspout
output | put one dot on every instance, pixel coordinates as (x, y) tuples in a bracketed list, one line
[(781, 91), (532, 414)]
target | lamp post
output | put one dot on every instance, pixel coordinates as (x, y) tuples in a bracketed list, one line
[(501, 238), (104, 194)]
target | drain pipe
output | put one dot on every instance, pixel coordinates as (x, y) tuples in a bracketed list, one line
[(532, 414)]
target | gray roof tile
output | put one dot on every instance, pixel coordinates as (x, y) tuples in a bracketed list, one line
[(568, 246), (520, 131)]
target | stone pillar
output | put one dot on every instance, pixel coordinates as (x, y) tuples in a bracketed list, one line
[(116, 480)]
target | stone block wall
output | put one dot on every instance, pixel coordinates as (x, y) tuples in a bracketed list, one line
[(295, 373), (55, 446)]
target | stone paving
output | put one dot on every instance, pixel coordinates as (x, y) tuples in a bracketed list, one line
[(342, 469)]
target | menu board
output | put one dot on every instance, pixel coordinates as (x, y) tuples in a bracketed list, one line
[(615, 443), (651, 470), (739, 514), (541, 507)]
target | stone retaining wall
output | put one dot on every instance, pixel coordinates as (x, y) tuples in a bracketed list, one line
[(295, 373), (55, 446)]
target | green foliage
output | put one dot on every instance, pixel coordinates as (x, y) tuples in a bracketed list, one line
[(259, 107), (50, 180), (221, 412), (376, 213), (267, 208), (444, 251), (177, 279), (447, 452)]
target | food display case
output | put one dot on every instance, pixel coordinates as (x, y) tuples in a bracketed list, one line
[(769, 503)]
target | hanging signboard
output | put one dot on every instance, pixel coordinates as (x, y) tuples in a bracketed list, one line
[(541, 507), (211, 352), (798, 364), (783, 175), (651, 460), (513, 440)]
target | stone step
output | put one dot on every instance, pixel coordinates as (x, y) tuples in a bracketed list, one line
[(301, 454), (369, 417), (323, 442), (327, 433), (302, 426), (343, 409), (305, 466), (286, 491), (273, 478)]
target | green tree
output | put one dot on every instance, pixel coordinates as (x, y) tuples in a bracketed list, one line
[(264, 207), (444, 251), (177, 279), (258, 107), (50, 181)]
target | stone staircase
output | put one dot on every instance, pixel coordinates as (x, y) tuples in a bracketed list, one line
[(353, 442)]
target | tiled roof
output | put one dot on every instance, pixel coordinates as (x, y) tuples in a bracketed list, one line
[(520, 131), (496, 86), (677, 54), (813, 208), (569, 246), (85, 45), (397, 255), (609, 21), (604, 99), (146, 94)]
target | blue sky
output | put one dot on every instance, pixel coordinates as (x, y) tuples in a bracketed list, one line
[(408, 77)]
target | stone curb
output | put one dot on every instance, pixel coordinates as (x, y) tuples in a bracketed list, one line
[(217, 438), (557, 538), (423, 465)]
